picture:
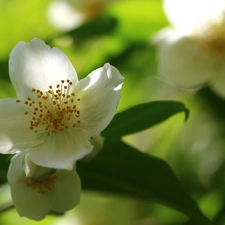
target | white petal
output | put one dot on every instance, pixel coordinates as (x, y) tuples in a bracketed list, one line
[(61, 150), (14, 128), (99, 93), (36, 65), (28, 202), (218, 83), (35, 172), (67, 190), (182, 61), (193, 16)]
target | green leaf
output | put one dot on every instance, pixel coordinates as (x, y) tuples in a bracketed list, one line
[(101, 25), (143, 116), (122, 169), (4, 162)]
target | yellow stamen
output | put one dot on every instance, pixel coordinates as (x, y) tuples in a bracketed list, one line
[(54, 110)]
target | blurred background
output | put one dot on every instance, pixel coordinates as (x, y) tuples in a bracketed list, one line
[(91, 33)]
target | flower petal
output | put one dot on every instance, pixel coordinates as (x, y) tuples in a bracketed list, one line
[(36, 65), (14, 128), (218, 83), (67, 190), (99, 93), (28, 202), (203, 12), (61, 150), (182, 61)]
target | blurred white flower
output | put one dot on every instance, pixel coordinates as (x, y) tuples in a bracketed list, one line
[(192, 51), (34, 197), (55, 114), (68, 14), (62, 16)]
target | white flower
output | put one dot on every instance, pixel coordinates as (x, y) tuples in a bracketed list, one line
[(192, 50), (55, 114), (68, 14), (35, 198), (63, 16)]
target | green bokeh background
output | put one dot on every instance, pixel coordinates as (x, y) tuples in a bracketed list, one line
[(121, 36)]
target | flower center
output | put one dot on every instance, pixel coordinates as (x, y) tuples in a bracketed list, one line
[(41, 186), (54, 110), (213, 39)]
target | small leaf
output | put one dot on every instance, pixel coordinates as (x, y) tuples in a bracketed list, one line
[(143, 116), (122, 169)]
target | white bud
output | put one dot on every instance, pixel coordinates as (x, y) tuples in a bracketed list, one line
[(98, 144)]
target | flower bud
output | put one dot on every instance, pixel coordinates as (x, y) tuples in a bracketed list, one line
[(98, 142)]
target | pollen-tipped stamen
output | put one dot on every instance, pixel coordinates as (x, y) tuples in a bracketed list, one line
[(54, 110)]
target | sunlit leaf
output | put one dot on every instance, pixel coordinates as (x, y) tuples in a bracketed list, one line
[(139, 14), (143, 116), (21, 21)]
